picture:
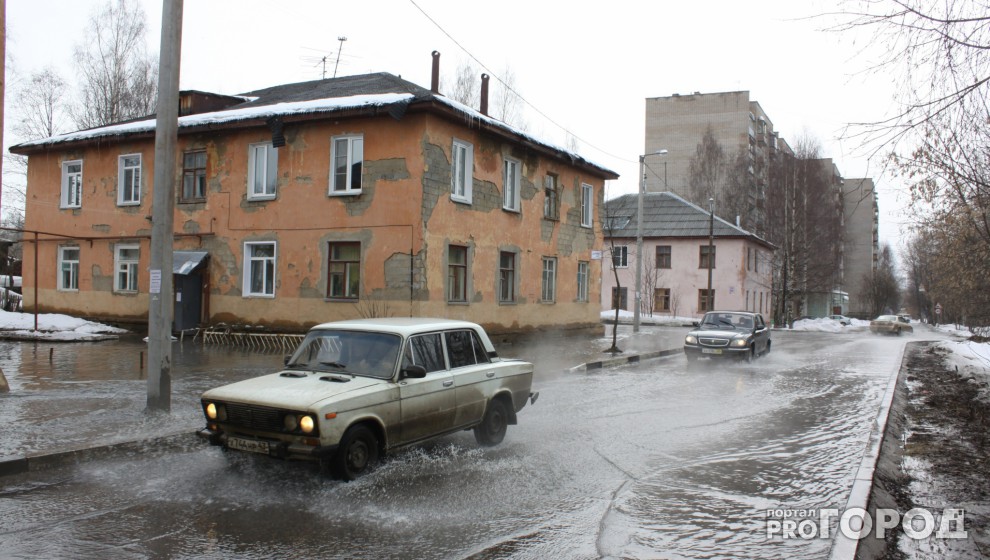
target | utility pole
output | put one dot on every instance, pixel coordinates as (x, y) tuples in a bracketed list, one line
[(163, 211), (711, 251)]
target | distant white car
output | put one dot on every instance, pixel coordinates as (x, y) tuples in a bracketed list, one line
[(842, 319), (355, 390)]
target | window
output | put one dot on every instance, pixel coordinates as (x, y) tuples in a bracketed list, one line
[(663, 256), (68, 268), (549, 291), (425, 350), (551, 201), (706, 302), (506, 277), (582, 281), (510, 184), (457, 273), (749, 258), (620, 256), (587, 205), (193, 176), (344, 270), (259, 269), (461, 171), (129, 179), (348, 161), (262, 171), (464, 349), (620, 298), (126, 260), (704, 255), (72, 184), (748, 308), (661, 299)]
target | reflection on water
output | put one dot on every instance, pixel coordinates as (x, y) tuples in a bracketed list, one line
[(69, 395)]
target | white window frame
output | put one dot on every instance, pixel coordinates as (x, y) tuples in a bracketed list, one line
[(125, 270), (265, 189), (583, 276), (123, 180), (72, 184), (461, 171), (587, 205), (354, 146), (269, 265), (622, 253), (511, 180), (548, 284), (73, 269)]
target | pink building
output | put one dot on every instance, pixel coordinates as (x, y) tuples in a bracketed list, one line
[(675, 261)]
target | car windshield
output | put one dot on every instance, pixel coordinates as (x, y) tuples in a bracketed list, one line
[(735, 321), (368, 354), (886, 318)]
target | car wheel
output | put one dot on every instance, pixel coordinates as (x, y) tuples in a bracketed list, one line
[(357, 453), (766, 350), (751, 355), (492, 429)]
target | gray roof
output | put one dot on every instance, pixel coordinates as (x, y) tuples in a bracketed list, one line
[(666, 215)]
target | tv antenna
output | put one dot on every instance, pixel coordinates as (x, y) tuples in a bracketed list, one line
[(341, 39)]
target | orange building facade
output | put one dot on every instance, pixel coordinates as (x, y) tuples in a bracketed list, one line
[(391, 201)]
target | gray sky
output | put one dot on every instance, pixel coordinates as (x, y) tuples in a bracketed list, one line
[(584, 68)]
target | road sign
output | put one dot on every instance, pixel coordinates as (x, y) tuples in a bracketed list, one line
[(938, 308)]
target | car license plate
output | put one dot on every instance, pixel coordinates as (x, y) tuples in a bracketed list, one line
[(711, 351), (252, 445)]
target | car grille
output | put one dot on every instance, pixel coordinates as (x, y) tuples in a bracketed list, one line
[(714, 341), (254, 417)]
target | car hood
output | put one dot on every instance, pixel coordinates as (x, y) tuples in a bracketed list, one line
[(293, 389), (716, 333)]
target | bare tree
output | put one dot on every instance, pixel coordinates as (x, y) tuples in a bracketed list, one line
[(507, 105), (41, 106), (883, 286), (940, 52), (119, 80), (465, 89), (739, 196), (706, 170), (614, 222)]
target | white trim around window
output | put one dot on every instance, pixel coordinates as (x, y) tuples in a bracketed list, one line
[(346, 164), (548, 293), (126, 259), (259, 269), (71, 184), (68, 268), (587, 205), (262, 171), (511, 179), (461, 171), (129, 180)]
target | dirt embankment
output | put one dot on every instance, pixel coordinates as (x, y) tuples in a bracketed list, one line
[(935, 455)]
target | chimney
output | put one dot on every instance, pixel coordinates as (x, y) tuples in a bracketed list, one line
[(484, 94), (435, 79)]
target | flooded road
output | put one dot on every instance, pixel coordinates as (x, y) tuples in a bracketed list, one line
[(645, 461)]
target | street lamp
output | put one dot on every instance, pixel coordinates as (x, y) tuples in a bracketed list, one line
[(639, 236), (711, 257)]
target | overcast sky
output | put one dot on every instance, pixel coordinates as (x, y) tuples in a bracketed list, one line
[(584, 68)]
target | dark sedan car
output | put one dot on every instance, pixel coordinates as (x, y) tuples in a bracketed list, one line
[(722, 334)]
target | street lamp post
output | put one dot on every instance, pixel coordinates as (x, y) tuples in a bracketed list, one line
[(639, 237), (711, 256)]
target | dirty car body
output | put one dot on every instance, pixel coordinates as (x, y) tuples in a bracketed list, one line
[(728, 334), (354, 390)]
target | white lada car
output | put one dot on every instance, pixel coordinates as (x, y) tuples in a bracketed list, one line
[(355, 390)]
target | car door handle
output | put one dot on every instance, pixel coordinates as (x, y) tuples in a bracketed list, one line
[(489, 374), (448, 383)]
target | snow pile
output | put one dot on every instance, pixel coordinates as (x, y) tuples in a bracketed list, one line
[(821, 324), (972, 361), (662, 320), (53, 326)]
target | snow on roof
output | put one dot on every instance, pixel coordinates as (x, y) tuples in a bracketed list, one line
[(233, 115)]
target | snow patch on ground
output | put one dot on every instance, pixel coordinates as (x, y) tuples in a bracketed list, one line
[(54, 326)]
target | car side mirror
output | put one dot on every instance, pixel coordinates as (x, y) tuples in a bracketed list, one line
[(696, 324), (414, 372)]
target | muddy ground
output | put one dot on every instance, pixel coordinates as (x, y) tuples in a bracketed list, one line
[(935, 455)]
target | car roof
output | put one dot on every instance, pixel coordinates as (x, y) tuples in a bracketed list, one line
[(399, 325)]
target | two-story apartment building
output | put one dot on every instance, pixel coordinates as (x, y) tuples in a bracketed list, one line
[(317, 201), (680, 242)]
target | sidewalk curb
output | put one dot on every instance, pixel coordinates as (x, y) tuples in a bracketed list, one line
[(631, 359), (34, 463), (844, 548)]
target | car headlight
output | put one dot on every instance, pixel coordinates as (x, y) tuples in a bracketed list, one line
[(739, 343), (690, 339), (307, 424), (291, 422), (216, 412)]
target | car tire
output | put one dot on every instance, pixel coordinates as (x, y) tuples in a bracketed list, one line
[(751, 355), (766, 349), (493, 425), (357, 453)]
